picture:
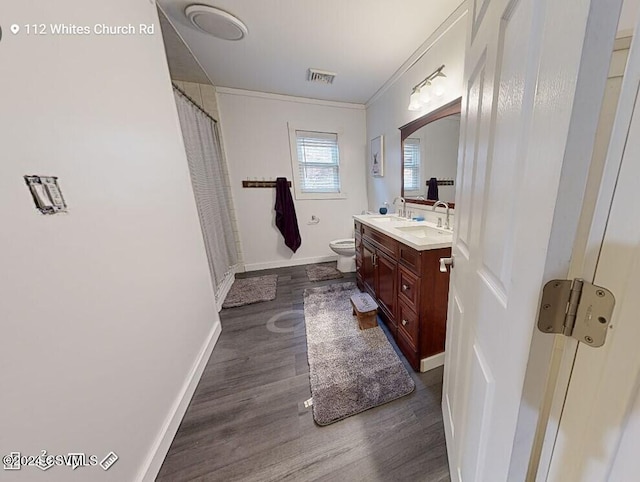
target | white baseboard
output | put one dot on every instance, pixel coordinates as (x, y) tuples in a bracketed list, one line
[(159, 450), (281, 263), (224, 289), (432, 362)]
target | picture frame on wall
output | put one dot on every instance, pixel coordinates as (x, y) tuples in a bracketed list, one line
[(376, 160)]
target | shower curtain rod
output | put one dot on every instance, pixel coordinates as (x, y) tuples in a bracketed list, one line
[(193, 102)]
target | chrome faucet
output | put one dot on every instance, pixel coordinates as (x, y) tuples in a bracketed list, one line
[(401, 211), (442, 203)]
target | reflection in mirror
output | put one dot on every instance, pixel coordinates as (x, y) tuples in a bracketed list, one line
[(430, 156), (432, 152)]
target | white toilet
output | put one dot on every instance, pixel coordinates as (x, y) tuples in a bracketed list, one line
[(346, 251)]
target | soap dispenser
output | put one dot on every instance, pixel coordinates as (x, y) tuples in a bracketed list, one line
[(384, 209)]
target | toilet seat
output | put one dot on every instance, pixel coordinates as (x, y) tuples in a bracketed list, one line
[(344, 243)]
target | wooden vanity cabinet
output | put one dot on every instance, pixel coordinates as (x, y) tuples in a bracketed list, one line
[(386, 269), (410, 290), (378, 279), (357, 228), (368, 268)]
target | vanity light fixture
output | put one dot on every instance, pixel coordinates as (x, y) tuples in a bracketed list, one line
[(423, 90)]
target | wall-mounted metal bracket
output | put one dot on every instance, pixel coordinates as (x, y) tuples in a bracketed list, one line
[(578, 309)]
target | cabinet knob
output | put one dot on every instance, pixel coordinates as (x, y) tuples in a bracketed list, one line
[(405, 287), (405, 322)]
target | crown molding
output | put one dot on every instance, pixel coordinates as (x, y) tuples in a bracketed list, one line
[(288, 98)]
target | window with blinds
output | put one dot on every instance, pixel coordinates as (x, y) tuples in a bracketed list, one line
[(412, 164), (318, 162)]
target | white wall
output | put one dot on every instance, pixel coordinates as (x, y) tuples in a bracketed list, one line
[(387, 111), (628, 16), (256, 139), (104, 311)]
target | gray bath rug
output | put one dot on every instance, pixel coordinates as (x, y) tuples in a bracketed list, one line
[(246, 291), (323, 271), (350, 370)]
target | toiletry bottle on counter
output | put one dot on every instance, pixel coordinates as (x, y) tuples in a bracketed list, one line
[(384, 209)]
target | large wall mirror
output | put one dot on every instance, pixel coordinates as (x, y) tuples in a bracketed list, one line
[(430, 156)]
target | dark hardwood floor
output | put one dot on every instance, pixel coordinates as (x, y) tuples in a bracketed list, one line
[(247, 419)]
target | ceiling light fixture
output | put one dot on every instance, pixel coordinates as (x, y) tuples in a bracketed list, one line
[(216, 22), (421, 93)]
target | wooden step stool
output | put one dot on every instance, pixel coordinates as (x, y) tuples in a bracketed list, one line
[(366, 310)]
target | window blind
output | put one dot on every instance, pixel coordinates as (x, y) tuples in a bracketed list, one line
[(412, 164), (318, 161)]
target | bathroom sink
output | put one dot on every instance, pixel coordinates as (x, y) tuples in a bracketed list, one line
[(423, 231), (419, 235)]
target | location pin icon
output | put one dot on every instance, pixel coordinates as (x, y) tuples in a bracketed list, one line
[(15, 28)]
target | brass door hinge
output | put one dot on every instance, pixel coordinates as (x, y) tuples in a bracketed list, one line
[(578, 309)]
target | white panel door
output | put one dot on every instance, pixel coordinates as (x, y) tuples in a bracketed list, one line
[(521, 69), (599, 435)]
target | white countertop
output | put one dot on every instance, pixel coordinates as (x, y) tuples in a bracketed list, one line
[(419, 235)]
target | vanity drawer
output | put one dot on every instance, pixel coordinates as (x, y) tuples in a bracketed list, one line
[(410, 258), (409, 288), (408, 325), (384, 242)]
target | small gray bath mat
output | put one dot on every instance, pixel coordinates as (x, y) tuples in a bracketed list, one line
[(350, 370), (246, 291), (323, 271)]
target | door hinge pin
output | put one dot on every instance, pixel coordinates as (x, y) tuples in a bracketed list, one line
[(572, 306)]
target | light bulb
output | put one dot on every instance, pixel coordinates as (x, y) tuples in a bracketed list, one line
[(424, 94), (414, 101)]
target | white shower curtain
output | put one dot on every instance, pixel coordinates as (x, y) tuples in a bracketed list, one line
[(212, 193)]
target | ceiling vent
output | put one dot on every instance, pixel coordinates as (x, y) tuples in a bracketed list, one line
[(321, 76)]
